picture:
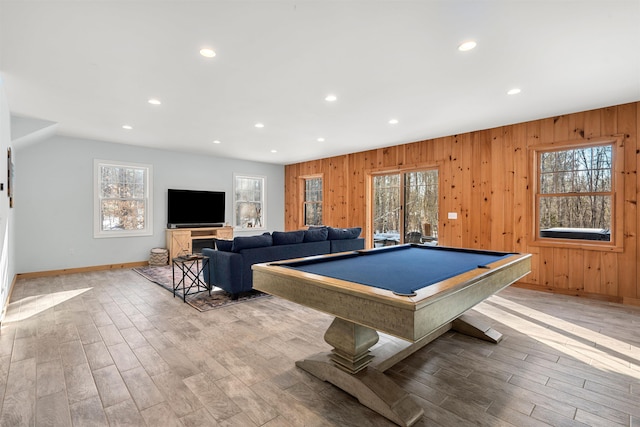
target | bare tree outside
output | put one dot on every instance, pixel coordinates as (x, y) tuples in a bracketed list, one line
[(313, 201), (122, 198), (414, 193), (576, 188), (421, 202), (249, 201), (386, 203)]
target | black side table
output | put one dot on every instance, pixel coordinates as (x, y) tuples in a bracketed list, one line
[(191, 267)]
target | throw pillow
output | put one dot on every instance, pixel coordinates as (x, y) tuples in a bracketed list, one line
[(344, 233), (316, 234), (247, 242), (355, 232), (224, 245), (287, 237)]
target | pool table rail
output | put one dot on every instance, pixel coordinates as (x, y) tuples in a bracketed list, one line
[(406, 317)]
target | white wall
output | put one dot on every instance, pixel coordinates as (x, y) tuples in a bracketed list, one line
[(7, 259), (54, 199)]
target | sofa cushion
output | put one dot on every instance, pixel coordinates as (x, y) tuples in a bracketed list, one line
[(287, 237), (345, 245), (224, 245), (246, 242), (316, 234), (277, 253), (344, 233)]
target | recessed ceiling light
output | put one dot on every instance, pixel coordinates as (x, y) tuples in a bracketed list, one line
[(466, 46), (259, 125), (207, 53), (513, 91), (320, 139), (127, 127), (330, 98), (393, 121), (154, 101), (274, 151), (216, 142)]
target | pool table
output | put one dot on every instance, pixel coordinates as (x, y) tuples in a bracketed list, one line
[(412, 292)]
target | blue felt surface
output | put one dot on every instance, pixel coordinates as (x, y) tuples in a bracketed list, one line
[(400, 269)]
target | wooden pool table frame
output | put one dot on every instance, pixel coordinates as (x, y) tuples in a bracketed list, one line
[(360, 311)]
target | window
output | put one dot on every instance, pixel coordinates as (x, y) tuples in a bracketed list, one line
[(312, 206), (248, 201), (414, 193), (122, 199), (575, 197)]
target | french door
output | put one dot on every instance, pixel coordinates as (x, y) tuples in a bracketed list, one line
[(404, 207)]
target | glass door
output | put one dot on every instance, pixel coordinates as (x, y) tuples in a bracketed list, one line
[(387, 207), (421, 206), (405, 208)]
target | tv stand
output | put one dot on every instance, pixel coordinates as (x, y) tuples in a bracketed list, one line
[(180, 240)]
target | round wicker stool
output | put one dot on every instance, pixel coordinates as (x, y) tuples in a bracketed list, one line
[(159, 256)]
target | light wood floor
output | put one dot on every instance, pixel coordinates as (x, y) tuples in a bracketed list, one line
[(111, 348)]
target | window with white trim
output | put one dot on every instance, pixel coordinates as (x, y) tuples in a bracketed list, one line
[(249, 201), (123, 205)]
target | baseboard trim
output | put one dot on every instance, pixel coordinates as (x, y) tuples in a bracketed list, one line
[(631, 301), (6, 302), (36, 274), (572, 292)]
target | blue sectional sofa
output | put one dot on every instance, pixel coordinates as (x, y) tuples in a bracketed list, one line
[(230, 263)]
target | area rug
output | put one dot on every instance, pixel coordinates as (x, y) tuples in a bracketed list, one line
[(201, 301)]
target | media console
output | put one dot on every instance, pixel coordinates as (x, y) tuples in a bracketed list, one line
[(180, 241)]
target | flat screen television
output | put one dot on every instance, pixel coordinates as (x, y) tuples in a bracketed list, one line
[(192, 208)]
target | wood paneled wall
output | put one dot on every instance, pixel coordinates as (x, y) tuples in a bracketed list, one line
[(485, 178)]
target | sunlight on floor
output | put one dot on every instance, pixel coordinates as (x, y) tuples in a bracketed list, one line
[(583, 344), (31, 306)]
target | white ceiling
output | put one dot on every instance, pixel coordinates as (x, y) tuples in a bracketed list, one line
[(91, 66)]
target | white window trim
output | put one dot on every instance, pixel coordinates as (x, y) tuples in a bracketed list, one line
[(263, 197), (148, 221)]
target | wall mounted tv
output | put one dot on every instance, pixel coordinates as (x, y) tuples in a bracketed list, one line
[(192, 208)]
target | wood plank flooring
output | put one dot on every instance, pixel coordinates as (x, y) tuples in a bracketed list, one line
[(111, 348)]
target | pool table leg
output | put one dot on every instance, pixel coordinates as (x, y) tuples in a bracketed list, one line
[(471, 324), (346, 367), (351, 343)]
